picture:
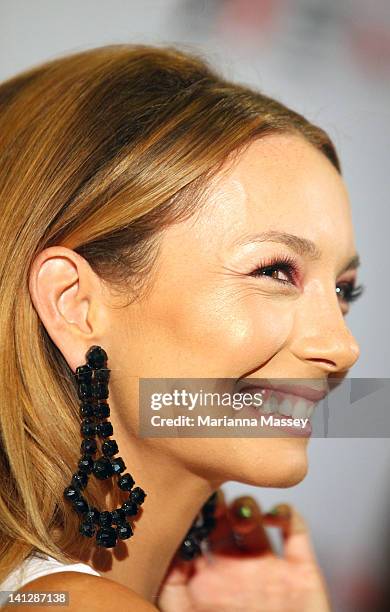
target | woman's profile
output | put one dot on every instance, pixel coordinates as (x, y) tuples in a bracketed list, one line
[(159, 221)]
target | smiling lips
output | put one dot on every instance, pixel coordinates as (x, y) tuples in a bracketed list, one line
[(296, 401)]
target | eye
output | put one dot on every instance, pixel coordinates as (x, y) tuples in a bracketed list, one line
[(348, 292), (284, 265)]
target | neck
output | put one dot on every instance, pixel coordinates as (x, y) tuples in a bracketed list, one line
[(174, 497)]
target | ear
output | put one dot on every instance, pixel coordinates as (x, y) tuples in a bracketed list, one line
[(68, 297)]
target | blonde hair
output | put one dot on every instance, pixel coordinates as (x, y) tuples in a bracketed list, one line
[(100, 150)]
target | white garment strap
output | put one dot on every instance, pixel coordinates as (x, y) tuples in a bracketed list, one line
[(39, 565)]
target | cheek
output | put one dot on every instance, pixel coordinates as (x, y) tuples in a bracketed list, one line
[(231, 334), (256, 332)]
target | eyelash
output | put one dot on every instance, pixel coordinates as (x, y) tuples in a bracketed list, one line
[(288, 265)]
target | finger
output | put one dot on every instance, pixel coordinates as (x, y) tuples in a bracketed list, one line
[(179, 572), (221, 537), (220, 507), (297, 544), (246, 522)]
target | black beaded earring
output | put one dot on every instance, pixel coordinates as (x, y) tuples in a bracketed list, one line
[(203, 524), (109, 526), (92, 379)]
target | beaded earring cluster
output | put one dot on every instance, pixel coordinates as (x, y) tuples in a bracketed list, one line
[(109, 526), (203, 524)]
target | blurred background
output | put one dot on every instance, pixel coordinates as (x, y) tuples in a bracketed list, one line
[(329, 60)]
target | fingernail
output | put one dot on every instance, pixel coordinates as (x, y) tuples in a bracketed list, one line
[(274, 511), (244, 511), (280, 510)]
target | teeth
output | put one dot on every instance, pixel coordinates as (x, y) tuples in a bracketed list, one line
[(310, 410), (268, 407), (286, 407), (300, 409), (273, 402), (297, 410)]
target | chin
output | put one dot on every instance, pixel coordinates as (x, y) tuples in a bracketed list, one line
[(291, 475), (274, 463)]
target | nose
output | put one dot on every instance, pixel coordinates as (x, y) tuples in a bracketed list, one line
[(323, 338)]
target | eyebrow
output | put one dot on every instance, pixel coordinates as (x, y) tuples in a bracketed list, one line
[(301, 246)]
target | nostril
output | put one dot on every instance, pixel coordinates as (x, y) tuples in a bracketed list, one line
[(331, 364)]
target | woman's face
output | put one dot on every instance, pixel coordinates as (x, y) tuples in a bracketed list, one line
[(209, 315)]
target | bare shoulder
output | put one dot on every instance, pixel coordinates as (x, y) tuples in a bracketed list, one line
[(86, 592)]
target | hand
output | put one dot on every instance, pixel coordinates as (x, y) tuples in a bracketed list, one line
[(242, 572)]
